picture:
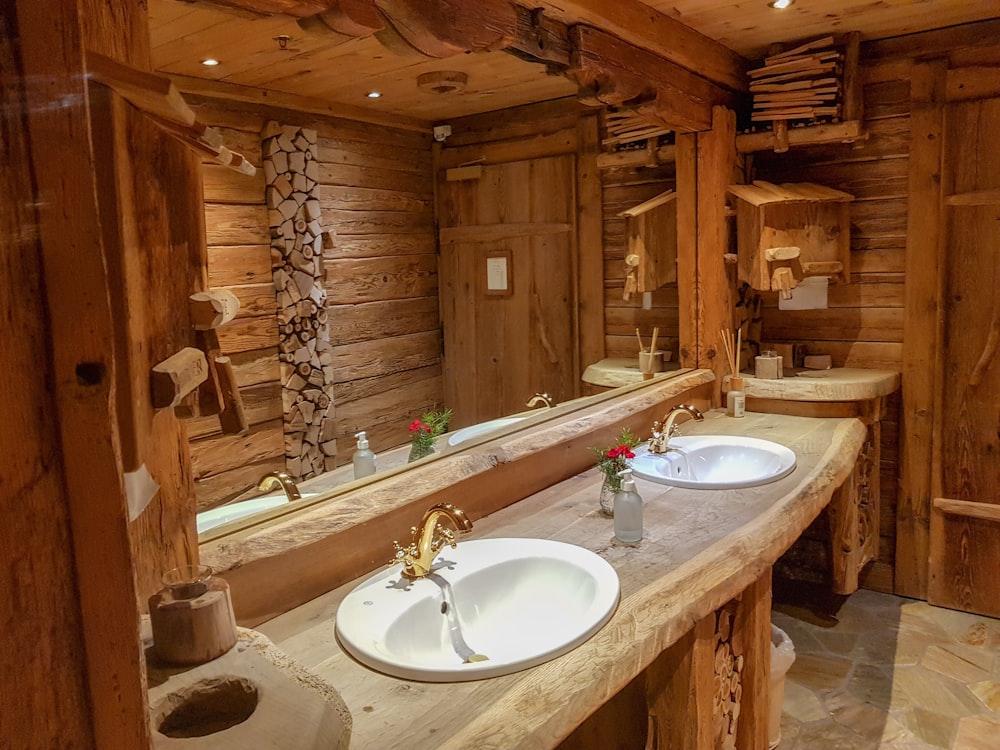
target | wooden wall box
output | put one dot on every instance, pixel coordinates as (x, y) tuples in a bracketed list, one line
[(651, 232), (811, 217)]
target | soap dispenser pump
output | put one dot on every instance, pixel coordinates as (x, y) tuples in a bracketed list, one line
[(628, 510), (364, 459)]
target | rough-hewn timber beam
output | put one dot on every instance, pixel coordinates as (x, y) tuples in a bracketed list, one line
[(297, 8), (618, 73), (638, 24), (443, 28)]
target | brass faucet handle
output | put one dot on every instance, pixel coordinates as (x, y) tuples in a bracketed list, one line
[(401, 552), (446, 536)]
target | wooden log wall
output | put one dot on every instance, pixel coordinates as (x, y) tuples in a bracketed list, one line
[(623, 188), (863, 326), (376, 198)]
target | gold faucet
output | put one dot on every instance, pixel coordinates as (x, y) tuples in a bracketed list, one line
[(663, 432), (280, 479), (540, 398), (429, 538)]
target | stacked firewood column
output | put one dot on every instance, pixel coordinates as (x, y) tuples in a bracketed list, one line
[(291, 173), (727, 680)]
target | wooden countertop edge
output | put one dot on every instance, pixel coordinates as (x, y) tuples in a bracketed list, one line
[(652, 619), (805, 388), (368, 503)]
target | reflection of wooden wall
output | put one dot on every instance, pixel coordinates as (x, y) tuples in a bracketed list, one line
[(625, 188), (381, 283)]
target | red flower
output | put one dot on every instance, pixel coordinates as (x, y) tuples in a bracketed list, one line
[(620, 451), (417, 426)]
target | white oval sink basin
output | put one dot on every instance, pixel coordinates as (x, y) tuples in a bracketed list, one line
[(491, 607), (715, 462), (483, 428), (209, 519)]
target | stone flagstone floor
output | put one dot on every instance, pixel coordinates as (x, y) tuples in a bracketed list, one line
[(875, 671)]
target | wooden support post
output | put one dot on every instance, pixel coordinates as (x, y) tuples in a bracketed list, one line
[(590, 246), (705, 164), (921, 327), (679, 690)]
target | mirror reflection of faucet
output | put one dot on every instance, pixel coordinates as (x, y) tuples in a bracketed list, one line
[(662, 432), (280, 479), (540, 399)]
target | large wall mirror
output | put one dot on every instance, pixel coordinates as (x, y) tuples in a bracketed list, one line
[(418, 230)]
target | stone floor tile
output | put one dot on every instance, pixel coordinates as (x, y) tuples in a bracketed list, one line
[(925, 690), (871, 684), (911, 646), (829, 735), (835, 642), (863, 718), (989, 693), (937, 730), (977, 733), (802, 704), (963, 663), (819, 671)]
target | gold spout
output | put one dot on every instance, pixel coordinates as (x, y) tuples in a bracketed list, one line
[(662, 432), (280, 479), (540, 398), (428, 539)]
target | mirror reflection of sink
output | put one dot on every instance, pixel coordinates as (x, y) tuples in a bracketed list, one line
[(491, 607), (715, 462), (209, 519), (483, 428)]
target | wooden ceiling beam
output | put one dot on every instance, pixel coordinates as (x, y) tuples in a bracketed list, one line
[(296, 8), (444, 28), (617, 73), (655, 32), (353, 17)]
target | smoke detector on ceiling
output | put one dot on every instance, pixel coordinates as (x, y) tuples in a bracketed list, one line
[(443, 82)]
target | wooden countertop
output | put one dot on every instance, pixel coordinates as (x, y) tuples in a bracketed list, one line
[(616, 371), (836, 384), (700, 548)]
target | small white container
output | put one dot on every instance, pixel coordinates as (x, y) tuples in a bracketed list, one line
[(364, 458), (736, 399)]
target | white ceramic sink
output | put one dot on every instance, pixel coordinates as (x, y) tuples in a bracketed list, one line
[(516, 602), (483, 428), (209, 519), (715, 462)]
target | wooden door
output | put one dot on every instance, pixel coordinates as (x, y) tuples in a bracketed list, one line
[(965, 522), (503, 345)]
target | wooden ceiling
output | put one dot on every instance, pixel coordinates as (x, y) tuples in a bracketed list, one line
[(329, 68)]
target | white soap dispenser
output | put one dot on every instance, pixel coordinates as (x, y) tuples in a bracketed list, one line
[(364, 459), (628, 510)]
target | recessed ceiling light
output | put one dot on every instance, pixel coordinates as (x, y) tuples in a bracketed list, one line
[(374, 94), (210, 61), (781, 4)]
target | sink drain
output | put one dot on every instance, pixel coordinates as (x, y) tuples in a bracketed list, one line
[(207, 707)]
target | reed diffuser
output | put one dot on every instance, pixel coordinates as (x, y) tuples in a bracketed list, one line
[(736, 400)]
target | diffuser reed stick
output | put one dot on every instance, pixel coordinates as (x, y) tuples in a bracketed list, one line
[(641, 347)]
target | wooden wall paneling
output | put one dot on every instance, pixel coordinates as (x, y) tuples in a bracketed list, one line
[(964, 555), (38, 578), (922, 327)]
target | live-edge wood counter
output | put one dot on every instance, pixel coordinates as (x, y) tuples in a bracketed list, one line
[(700, 550)]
